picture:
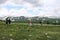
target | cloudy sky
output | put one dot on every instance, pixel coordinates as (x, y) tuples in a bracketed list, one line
[(29, 8)]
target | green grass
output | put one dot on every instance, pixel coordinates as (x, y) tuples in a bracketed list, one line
[(22, 31)]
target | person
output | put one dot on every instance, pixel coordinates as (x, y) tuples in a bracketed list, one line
[(41, 22), (8, 21), (30, 22)]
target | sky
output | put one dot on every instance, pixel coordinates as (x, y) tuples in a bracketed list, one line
[(29, 8)]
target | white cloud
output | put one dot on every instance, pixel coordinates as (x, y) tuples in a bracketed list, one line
[(32, 2), (3, 12), (21, 12), (39, 7), (2, 1)]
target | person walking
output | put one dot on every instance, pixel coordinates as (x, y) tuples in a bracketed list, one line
[(8, 21)]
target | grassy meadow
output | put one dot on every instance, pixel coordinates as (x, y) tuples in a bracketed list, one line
[(22, 31)]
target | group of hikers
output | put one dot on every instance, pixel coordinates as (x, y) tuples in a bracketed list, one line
[(8, 20)]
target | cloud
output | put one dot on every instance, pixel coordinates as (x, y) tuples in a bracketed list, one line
[(31, 7), (21, 12), (3, 12), (2, 1), (11, 9), (32, 2)]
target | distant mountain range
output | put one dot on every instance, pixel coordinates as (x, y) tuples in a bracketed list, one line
[(54, 17)]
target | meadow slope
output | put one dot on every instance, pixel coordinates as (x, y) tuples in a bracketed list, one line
[(22, 31)]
